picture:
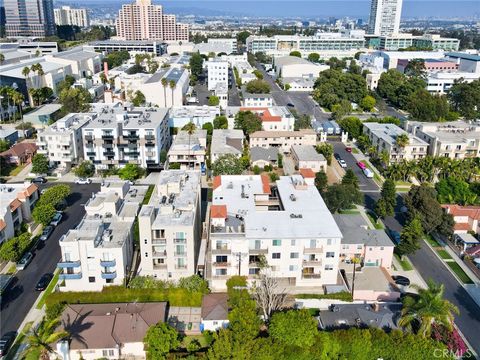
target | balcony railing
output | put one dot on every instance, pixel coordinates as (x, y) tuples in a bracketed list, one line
[(65, 276), (180, 241), (149, 137), (108, 263), (258, 251), (89, 137), (107, 136), (109, 275), (180, 266), (221, 251), (180, 253), (131, 136), (159, 253), (314, 262), (159, 241), (313, 250), (226, 263), (311, 276), (160, 266), (68, 264)]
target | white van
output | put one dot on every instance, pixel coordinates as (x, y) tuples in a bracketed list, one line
[(368, 173)]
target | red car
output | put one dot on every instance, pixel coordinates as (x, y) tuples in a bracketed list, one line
[(361, 165), (348, 149)]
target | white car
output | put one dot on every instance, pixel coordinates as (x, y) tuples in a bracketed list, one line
[(24, 261), (342, 163), (82, 181), (368, 173), (56, 219)]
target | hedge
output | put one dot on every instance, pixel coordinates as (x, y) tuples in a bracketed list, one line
[(343, 296), (119, 294)]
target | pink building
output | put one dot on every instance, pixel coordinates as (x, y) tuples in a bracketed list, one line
[(430, 65), (466, 217)]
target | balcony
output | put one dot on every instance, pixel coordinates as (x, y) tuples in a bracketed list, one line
[(159, 242), (65, 276), (221, 250), (160, 266), (131, 136), (179, 241), (312, 262), (109, 275), (107, 263), (109, 153), (159, 253), (91, 153), (221, 264), (68, 264), (311, 276), (180, 267), (107, 137), (313, 250), (149, 137), (89, 138), (257, 251), (180, 253)]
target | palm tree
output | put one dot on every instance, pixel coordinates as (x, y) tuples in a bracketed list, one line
[(164, 84), (43, 337), (402, 140), (173, 85), (190, 129), (427, 308), (18, 99)]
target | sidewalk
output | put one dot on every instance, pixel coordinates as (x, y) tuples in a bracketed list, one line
[(20, 177)]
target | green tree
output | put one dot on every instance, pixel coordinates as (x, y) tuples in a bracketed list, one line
[(209, 127), (227, 164), (242, 37), (40, 164), (402, 140), (326, 149), (294, 328), (424, 106), (220, 122), (350, 178), (159, 340), (43, 337), (465, 98), (163, 156), (410, 237), (257, 87), (75, 100), (138, 98), (353, 68), (258, 74), (341, 109), (84, 169), (416, 68), (302, 122), (131, 172), (342, 196), (321, 181), (386, 204), (368, 103), (4, 145), (213, 100), (248, 121), (196, 64), (428, 308), (54, 195), (14, 248), (313, 57), (43, 214), (296, 53), (337, 64)]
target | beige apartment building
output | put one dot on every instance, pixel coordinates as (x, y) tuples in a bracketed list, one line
[(145, 21), (170, 226), (283, 140)]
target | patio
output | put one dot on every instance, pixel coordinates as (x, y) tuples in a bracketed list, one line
[(185, 319)]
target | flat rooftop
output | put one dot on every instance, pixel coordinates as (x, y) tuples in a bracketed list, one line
[(454, 131), (194, 111), (355, 230), (195, 141), (68, 123), (372, 278), (227, 141), (307, 153), (390, 132)]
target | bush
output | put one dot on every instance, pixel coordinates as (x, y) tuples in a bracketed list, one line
[(84, 169), (54, 196), (13, 249), (267, 168), (256, 170), (273, 176), (43, 214), (342, 296), (194, 283)]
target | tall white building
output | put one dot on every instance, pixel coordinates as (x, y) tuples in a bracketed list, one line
[(170, 226), (290, 226), (65, 15), (385, 17), (217, 73)]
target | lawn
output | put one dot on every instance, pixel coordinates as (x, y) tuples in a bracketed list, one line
[(349, 211), (432, 241), (187, 339), (405, 264), (12, 269), (355, 151), (444, 254), (48, 290), (148, 195), (378, 225), (16, 170), (459, 272), (18, 342)]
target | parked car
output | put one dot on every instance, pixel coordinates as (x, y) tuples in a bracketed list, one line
[(56, 219), (368, 173), (336, 156), (39, 180), (6, 342), (348, 149), (46, 233), (401, 280), (342, 163), (83, 181), (43, 282), (290, 105), (395, 236), (24, 261), (361, 165)]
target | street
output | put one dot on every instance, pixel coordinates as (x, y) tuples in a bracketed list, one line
[(21, 296)]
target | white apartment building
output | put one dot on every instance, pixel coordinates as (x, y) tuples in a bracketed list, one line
[(217, 70), (440, 82), (170, 226), (65, 15), (293, 66), (173, 94), (230, 42), (83, 63), (306, 157), (274, 118), (16, 204), (283, 140), (454, 139), (257, 100), (62, 142), (189, 151), (383, 138), (99, 251), (119, 135), (385, 17), (179, 116), (291, 228), (226, 141)]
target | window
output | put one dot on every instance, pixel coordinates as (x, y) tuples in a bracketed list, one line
[(313, 243), (277, 242), (294, 255), (328, 267), (253, 271), (359, 247), (293, 242), (276, 256), (330, 254), (221, 272), (330, 242), (221, 259), (91, 279), (109, 281), (293, 268), (382, 248)]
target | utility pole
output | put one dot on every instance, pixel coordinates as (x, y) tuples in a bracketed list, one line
[(239, 256)]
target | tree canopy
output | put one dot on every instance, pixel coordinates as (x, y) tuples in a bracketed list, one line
[(294, 328), (220, 122), (258, 86), (196, 64), (75, 100), (40, 164), (248, 121), (213, 100), (131, 172), (84, 169), (227, 164), (159, 340)]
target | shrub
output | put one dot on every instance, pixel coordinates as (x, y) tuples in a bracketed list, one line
[(273, 176), (194, 283), (43, 214), (256, 170), (342, 296)]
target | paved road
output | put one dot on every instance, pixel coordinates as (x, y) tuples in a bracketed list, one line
[(21, 295)]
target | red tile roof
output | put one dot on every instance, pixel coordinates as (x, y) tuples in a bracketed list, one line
[(27, 192), (218, 211), (474, 250), (217, 181), (3, 225), (263, 113), (21, 149), (307, 173), (266, 184), (458, 210), (462, 226), (15, 204)]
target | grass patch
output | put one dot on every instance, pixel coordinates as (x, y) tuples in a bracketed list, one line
[(113, 294), (48, 290), (349, 211), (405, 264), (432, 241), (459, 272), (376, 224), (19, 341), (444, 254), (403, 183), (16, 170), (355, 151), (148, 195), (342, 295), (12, 269), (189, 338)]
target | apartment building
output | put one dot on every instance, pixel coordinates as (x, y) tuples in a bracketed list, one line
[(295, 67), (383, 138), (62, 142), (230, 42), (289, 226), (29, 18), (217, 70), (16, 205), (189, 150), (120, 135), (306, 157), (283, 140), (385, 17), (454, 139), (99, 251), (257, 100), (179, 116), (170, 226), (66, 15), (144, 21), (157, 48), (274, 118), (83, 63), (441, 82), (226, 141)]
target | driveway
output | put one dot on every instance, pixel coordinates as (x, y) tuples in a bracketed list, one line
[(288, 165), (20, 297)]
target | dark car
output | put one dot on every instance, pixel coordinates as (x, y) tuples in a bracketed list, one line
[(290, 105), (43, 282), (6, 341), (401, 280), (46, 233), (39, 180), (395, 236), (337, 157)]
